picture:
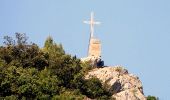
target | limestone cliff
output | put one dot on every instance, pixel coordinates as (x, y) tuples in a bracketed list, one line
[(123, 86)]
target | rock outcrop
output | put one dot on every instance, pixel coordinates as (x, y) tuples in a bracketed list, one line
[(120, 83)]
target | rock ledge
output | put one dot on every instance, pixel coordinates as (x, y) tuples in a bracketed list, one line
[(123, 85)]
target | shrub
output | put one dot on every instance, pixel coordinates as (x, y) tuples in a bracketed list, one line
[(152, 98)]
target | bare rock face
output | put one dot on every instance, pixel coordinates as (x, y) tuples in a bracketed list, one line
[(120, 83)]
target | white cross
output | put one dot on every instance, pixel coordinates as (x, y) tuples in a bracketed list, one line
[(92, 23)]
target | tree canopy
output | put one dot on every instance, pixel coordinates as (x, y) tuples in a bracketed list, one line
[(30, 72)]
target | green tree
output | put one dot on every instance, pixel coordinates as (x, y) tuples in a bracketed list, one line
[(93, 88), (52, 48), (23, 54), (61, 64), (152, 98)]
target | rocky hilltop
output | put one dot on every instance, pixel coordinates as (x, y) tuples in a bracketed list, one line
[(123, 85)]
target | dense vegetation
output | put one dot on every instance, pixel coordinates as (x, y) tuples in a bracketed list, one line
[(30, 72)]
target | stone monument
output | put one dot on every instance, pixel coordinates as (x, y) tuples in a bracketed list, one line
[(94, 47)]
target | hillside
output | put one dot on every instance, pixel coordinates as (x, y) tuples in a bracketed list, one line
[(28, 72)]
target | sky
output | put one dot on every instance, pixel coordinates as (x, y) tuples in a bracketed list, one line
[(134, 33)]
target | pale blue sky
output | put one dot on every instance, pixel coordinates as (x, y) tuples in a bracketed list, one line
[(134, 33)]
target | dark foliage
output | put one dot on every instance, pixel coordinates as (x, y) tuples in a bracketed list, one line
[(152, 98), (28, 72), (93, 88)]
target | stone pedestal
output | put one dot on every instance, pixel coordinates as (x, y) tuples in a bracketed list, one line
[(94, 48)]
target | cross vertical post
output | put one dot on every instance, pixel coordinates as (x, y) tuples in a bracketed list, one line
[(92, 22)]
